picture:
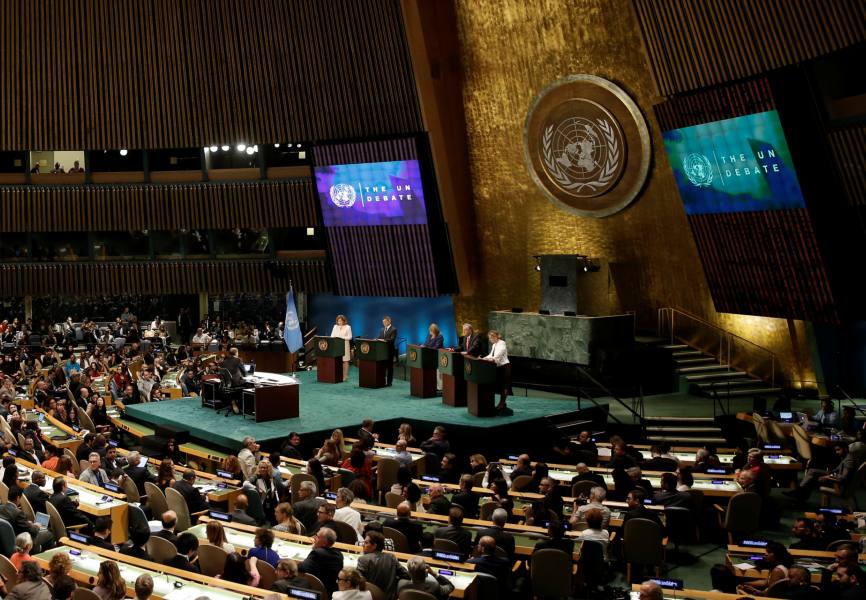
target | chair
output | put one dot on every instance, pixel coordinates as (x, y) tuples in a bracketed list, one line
[(346, 477), (7, 538), (4, 492), (8, 570), (155, 499), (212, 560), (742, 515), (295, 484), (401, 543), (177, 503), (83, 465), (642, 545), (551, 573), (346, 534), (780, 588), (415, 595), (85, 420), (316, 584), (520, 482), (27, 509), (255, 508), (375, 591), (680, 525), (487, 586), (55, 522), (81, 593), (392, 500), (834, 545), (130, 489), (161, 550), (803, 444), (760, 428), (444, 545), (582, 488), (592, 566), (386, 474), (137, 519), (21, 440), (847, 492), (429, 465), (75, 466), (267, 575), (486, 509), (478, 479)]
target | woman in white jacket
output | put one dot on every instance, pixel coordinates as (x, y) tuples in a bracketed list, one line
[(342, 329)]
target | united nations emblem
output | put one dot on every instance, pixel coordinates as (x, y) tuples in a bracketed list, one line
[(365, 348), (467, 368), (413, 354), (443, 360), (698, 169), (323, 345), (342, 195), (587, 145)]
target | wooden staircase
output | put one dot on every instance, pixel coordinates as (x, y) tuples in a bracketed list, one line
[(706, 376)]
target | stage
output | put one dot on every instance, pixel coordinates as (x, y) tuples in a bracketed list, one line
[(324, 407)]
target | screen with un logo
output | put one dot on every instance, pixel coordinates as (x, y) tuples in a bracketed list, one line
[(735, 165), (381, 193)]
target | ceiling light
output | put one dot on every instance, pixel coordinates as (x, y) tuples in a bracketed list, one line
[(250, 150), (213, 148), (124, 152), (242, 147), (224, 148)]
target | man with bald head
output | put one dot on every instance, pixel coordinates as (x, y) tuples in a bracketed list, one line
[(523, 467), (405, 525), (799, 584), (650, 590), (488, 562)]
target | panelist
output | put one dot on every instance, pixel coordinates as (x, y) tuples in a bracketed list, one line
[(388, 334), (499, 355), (235, 368), (342, 329), (470, 342), (434, 338)]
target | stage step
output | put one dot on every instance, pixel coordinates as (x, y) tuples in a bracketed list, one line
[(686, 430), (739, 393), (687, 441), (704, 369), (688, 354), (725, 384), (722, 375), (692, 362), (679, 419), (677, 347)]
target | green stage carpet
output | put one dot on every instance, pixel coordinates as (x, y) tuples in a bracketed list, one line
[(328, 406)]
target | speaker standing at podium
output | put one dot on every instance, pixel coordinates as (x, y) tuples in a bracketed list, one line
[(499, 355), (470, 342), (342, 329), (436, 342), (388, 333)]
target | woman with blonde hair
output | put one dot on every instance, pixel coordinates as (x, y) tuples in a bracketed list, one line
[(340, 442), (342, 329), (478, 463), (286, 520), (405, 434), (328, 454), (216, 536)]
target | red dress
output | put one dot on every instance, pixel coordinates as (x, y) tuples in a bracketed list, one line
[(364, 473)]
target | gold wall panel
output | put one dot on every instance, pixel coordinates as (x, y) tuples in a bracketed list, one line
[(511, 49)]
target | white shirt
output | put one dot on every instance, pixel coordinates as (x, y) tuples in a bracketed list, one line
[(201, 339), (248, 462), (345, 332), (499, 353), (352, 517)]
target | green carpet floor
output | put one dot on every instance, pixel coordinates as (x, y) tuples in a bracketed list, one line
[(327, 406)]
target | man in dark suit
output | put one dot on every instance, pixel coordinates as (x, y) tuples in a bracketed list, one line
[(11, 512), (405, 525), (388, 334), (102, 533), (503, 539), (29, 452), (307, 508), (657, 462), (584, 474), (195, 501), (439, 504), (69, 513), (637, 509), (34, 492), (239, 514), (324, 561), (287, 577), (523, 467), (169, 522), (366, 435), (466, 498), (235, 367), (84, 450), (138, 472), (455, 531), (488, 562), (470, 342), (557, 541), (187, 546)]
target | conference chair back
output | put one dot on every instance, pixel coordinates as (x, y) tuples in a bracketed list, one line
[(4, 493), (316, 584), (486, 510), (55, 522), (642, 544), (444, 545), (846, 491), (156, 499), (137, 519), (478, 479), (83, 465), (267, 574), (393, 500), (551, 573), (7, 538), (76, 468), (582, 488), (27, 509), (177, 503), (130, 489), (212, 560), (85, 420), (160, 549), (743, 515), (386, 474), (520, 482), (803, 443), (760, 428), (487, 586), (82, 593), (346, 534), (415, 595), (779, 589), (255, 508), (401, 543), (375, 591)]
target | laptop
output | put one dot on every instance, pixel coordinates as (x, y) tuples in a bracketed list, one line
[(250, 368), (786, 417), (42, 518)]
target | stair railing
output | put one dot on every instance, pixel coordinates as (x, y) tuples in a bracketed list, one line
[(852, 401), (730, 349), (638, 417)]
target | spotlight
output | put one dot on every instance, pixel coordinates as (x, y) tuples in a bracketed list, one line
[(241, 147), (206, 149), (124, 152), (537, 267), (299, 145), (250, 150), (213, 148), (276, 145), (537, 262), (256, 148), (224, 148)]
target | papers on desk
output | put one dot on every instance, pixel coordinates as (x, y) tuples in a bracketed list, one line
[(744, 566)]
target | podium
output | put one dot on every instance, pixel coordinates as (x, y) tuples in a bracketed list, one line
[(372, 357), (422, 371), (481, 386), (329, 358), (453, 383)]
